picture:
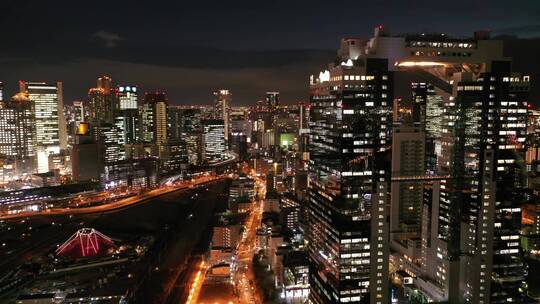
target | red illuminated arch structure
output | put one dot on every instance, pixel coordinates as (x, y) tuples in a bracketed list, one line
[(86, 242)]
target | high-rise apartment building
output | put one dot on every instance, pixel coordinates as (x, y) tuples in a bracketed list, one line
[(49, 117), (349, 181)]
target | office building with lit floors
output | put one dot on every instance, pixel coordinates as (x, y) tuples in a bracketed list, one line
[(213, 140), (154, 118), (457, 164), (349, 180), (48, 108), (222, 109), (103, 102), (489, 185), (18, 134)]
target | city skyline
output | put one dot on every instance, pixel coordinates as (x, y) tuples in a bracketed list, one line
[(189, 65), (219, 153)]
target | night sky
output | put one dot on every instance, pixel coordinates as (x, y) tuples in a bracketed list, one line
[(190, 48)]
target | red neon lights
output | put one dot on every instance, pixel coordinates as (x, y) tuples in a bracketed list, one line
[(84, 243)]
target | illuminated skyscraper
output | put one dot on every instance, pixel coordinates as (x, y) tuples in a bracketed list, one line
[(79, 111), (154, 118), (18, 131), (111, 143), (127, 97), (128, 121), (50, 123), (222, 108), (272, 100), (463, 145), (102, 102), (1, 91), (349, 181), (105, 83), (489, 120), (213, 140), (185, 126)]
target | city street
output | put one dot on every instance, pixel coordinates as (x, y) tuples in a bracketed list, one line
[(244, 289), (244, 278), (123, 203)]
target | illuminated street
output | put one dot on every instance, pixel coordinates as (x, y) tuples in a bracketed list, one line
[(243, 288), (245, 278), (122, 203)]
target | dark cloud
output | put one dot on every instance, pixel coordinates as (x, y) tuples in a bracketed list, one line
[(109, 39), (189, 48)]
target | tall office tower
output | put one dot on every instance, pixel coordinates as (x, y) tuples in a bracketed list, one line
[(50, 123), (213, 140), (75, 115), (102, 102), (185, 126), (18, 131), (303, 134), (489, 138), (98, 105), (240, 125), (79, 112), (1, 91), (127, 121), (194, 148), (238, 144), (110, 139), (349, 181), (191, 121), (174, 158), (239, 113), (272, 100), (154, 118), (471, 108), (174, 117), (85, 155), (127, 97), (105, 83), (222, 108)]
